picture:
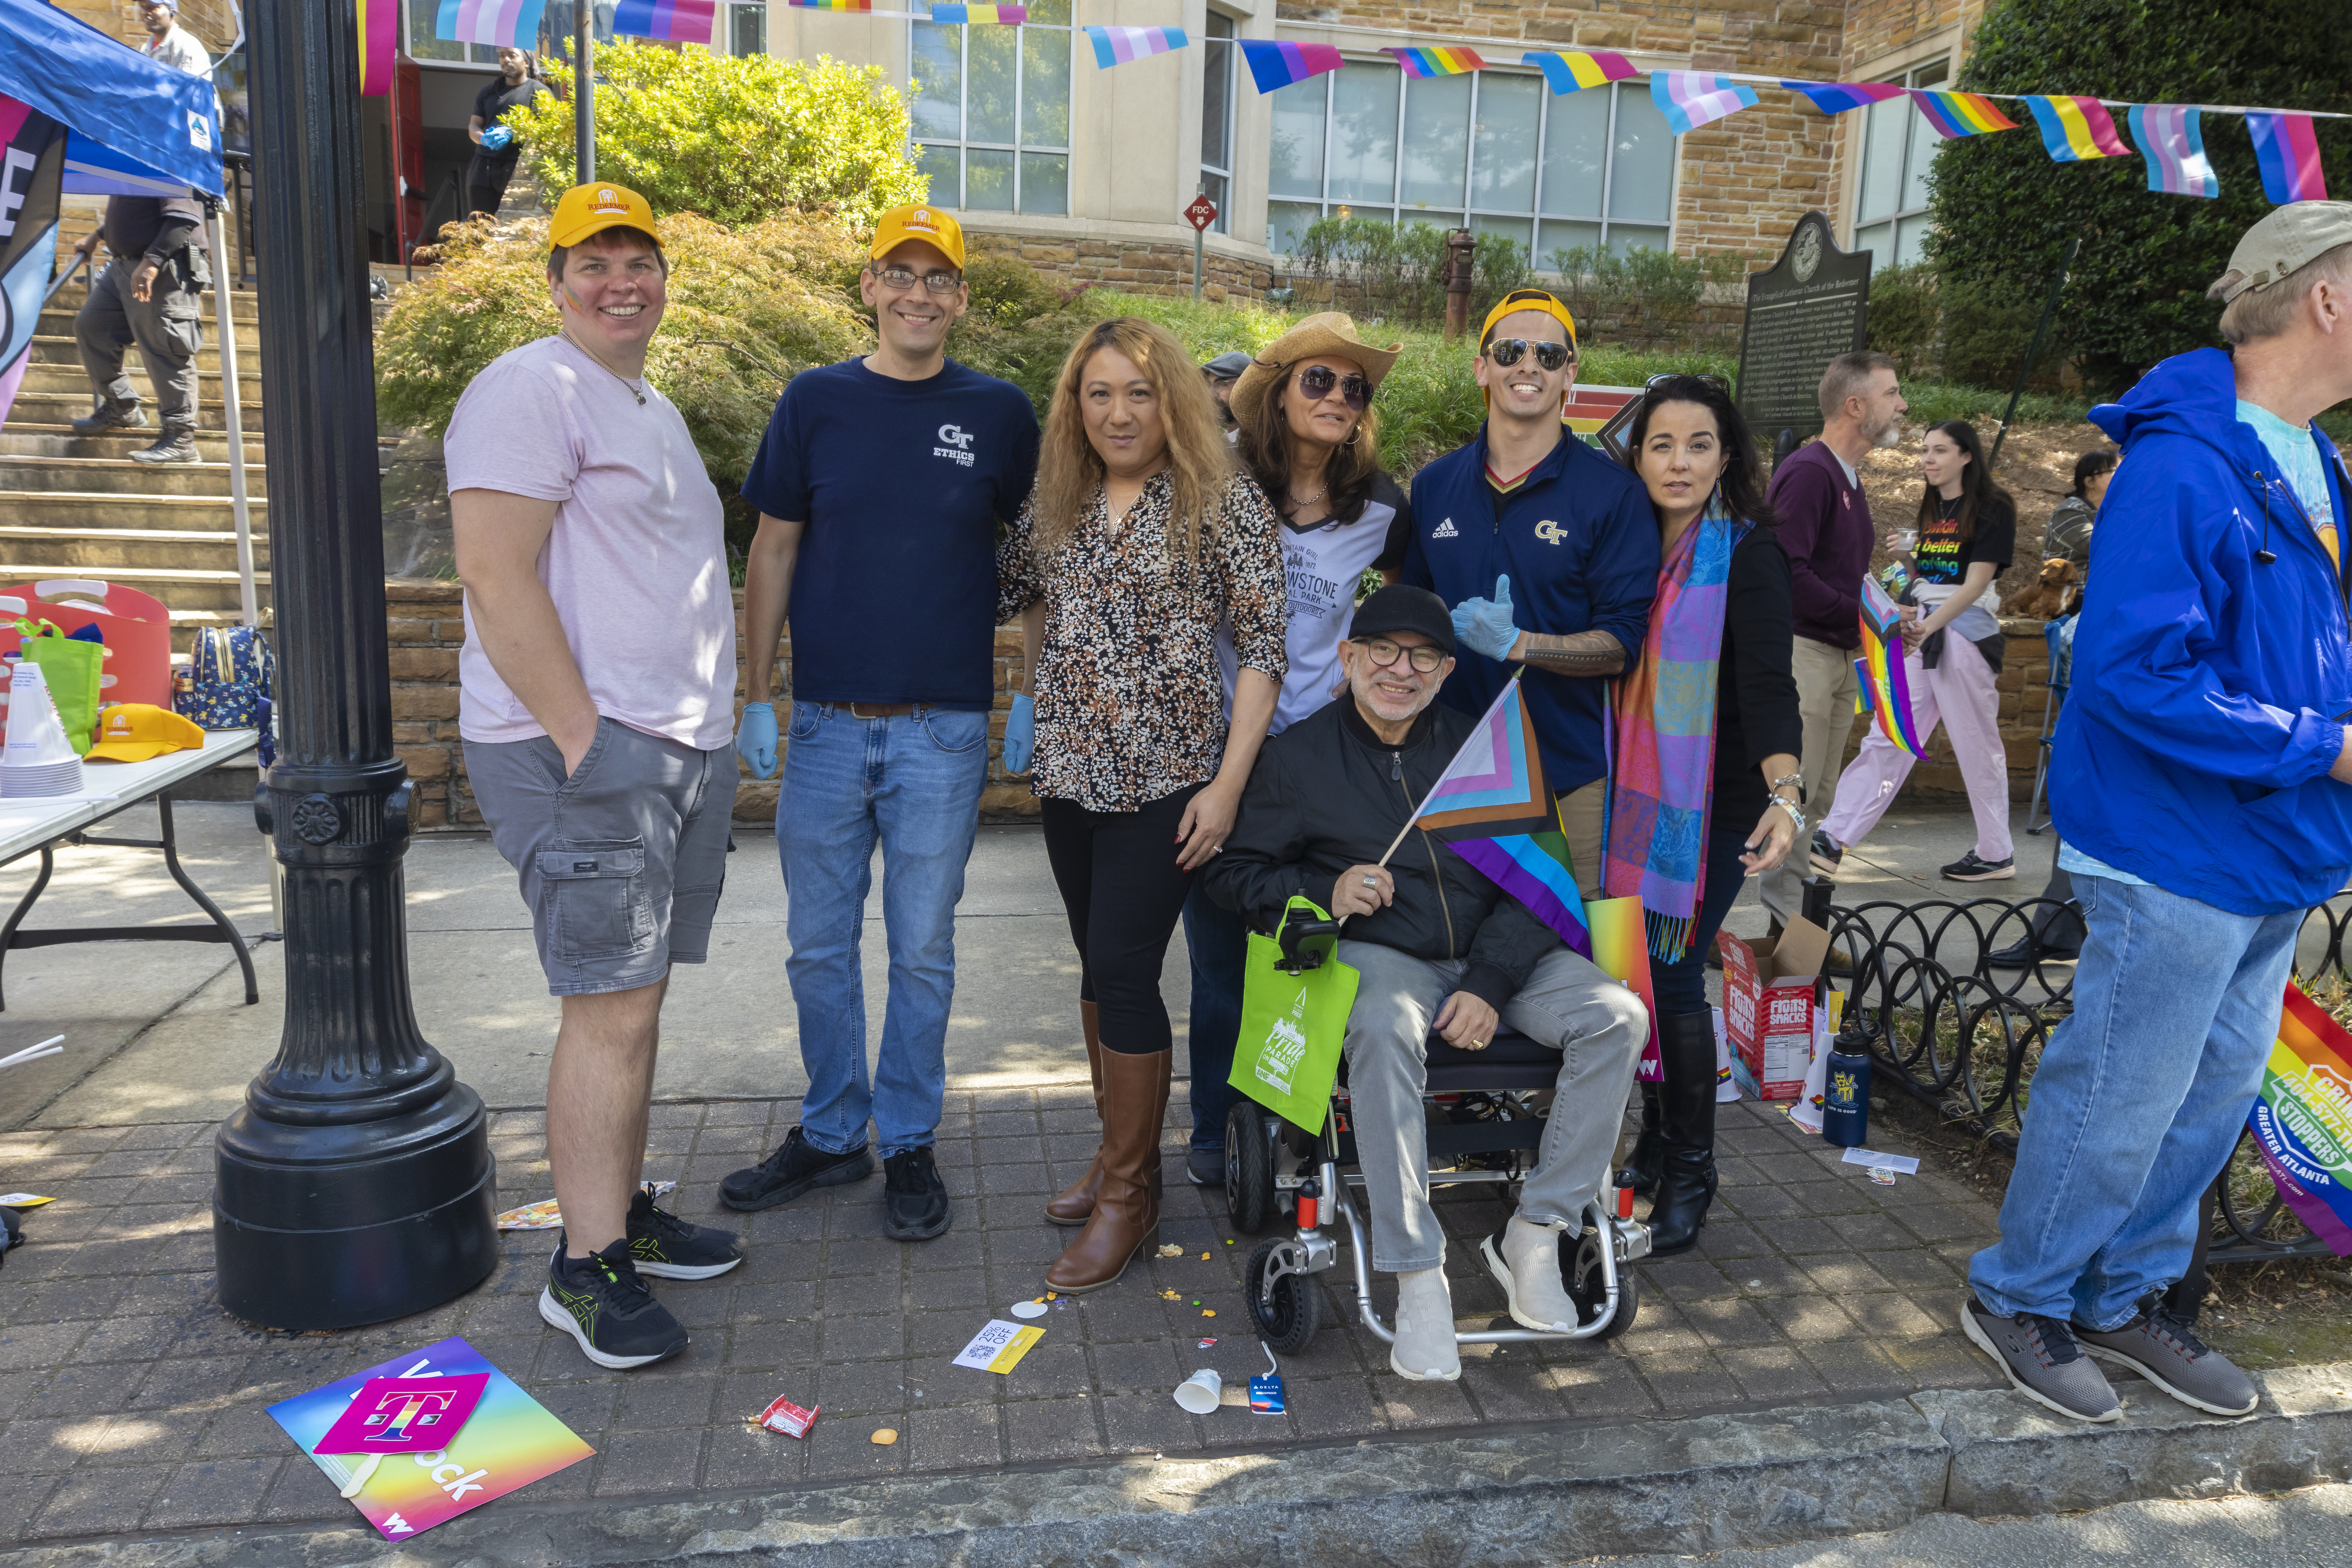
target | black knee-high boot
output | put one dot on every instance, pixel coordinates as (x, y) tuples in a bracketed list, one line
[(1640, 1171), (1686, 1115)]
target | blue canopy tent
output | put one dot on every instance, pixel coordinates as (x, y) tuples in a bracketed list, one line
[(133, 128)]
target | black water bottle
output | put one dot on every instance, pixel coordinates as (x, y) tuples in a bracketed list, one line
[(1845, 1099)]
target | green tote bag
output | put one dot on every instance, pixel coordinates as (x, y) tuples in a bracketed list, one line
[(71, 666), (1294, 1024)]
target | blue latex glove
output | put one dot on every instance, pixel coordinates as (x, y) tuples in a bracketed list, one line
[(496, 137), (1020, 734), (755, 739), (1484, 625)]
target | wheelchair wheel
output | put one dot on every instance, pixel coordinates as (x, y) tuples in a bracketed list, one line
[(1289, 1320), (1579, 1271), (1249, 1169)]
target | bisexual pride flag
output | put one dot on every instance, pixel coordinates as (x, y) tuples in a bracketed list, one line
[(2289, 156), (1885, 689), (1956, 115), (2302, 1118), (509, 24), (2168, 139), (1692, 98), (1118, 46), (674, 21), (1837, 97), (1275, 63), (1427, 63), (1570, 70), (2076, 129)]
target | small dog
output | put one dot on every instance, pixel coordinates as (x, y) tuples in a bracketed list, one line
[(2052, 596)]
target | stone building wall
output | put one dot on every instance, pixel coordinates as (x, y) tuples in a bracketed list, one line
[(1136, 268)]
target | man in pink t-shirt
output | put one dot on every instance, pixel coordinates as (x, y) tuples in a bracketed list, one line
[(596, 694)]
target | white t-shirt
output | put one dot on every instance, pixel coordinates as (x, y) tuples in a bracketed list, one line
[(1321, 566), (637, 563)]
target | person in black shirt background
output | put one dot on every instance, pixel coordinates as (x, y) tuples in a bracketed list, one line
[(494, 157), (148, 295)]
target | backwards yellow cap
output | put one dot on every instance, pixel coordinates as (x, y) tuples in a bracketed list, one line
[(932, 227), (587, 209), (1520, 299)]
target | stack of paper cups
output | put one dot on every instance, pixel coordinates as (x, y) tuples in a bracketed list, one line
[(38, 760)]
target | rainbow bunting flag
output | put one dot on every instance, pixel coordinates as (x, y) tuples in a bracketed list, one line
[(672, 21), (2289, 156), (1956, 114), (1621, 949), (1692, 98), (1275, 63), (1425, 63), (1837, 97), (2076, 129), (2302, 1118), (980, 16), (1568, 70), (2175, 151), (509, 24), (1118, 46), (1885, 689), (379, 28)]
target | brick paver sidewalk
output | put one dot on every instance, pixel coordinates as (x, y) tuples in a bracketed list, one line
[(129, 1403)]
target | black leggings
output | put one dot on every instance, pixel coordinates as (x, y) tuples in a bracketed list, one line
[(1116, 871)]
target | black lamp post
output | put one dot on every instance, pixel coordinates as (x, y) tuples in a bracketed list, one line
[(357, 1183)]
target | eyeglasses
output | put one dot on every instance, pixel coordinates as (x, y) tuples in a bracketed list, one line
[(1507, 352), (1383, 653), (904, 277), (1318, 380)]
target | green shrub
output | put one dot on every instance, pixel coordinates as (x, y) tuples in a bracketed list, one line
[(1654, 291), (1903, 322)]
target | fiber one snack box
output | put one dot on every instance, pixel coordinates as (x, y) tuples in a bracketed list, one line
[(1769, 998)]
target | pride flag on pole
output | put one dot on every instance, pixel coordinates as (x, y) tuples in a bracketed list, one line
[(1692, 98), (2074, 129), (1275, 64), (1426, 63), (2289, 156), (1118, 46), (1885, 689), (1837, 97), (2168, 140), (1569, 71), (1956, 114), (378, 28), (2302, 1118), (509, 24), (672, 21)]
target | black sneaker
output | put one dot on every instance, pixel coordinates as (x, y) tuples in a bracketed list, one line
[(1827, 855), (2042, 1361), (600, 1302), (668, 1247), (914, 1199), (176, 447), (1205, 1167), (795, 1167), (1968, 869), (112, 418)]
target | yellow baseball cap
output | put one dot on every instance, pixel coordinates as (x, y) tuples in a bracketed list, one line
[(1534, 299), (134, 731), (586, 209), (932, 227)]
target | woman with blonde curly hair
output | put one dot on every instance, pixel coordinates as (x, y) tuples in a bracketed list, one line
[(1139, 540)]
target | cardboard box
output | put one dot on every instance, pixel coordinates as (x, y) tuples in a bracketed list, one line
[(1769, 1004)]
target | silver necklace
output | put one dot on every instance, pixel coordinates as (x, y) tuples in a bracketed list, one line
[(1298, 506), (635, 390)]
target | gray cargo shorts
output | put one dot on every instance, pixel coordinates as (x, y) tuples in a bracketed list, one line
[(621, 863)]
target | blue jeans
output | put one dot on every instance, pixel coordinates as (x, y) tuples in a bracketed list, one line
[(2138, 1100), (1682, 987), (912, 784), (1218, 941)]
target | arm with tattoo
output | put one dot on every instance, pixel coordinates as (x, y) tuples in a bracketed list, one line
[(1574, 653)]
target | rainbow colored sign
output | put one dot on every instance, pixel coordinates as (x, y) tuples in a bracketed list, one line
[(1572, 70), (509, 1441), (2288, 155), (1275, 63), (1427, 63), (508, 23), (2076, 129), (1885, 689), (2302, 1118), (1956, 115), (1621, 949)]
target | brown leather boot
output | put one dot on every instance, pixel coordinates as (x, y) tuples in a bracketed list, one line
[(1127, 1206), (1074, 1203)]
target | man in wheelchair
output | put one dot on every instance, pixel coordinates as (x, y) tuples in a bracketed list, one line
[(1438, 947)]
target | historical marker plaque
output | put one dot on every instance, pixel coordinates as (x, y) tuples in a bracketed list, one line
[(1804, 313)]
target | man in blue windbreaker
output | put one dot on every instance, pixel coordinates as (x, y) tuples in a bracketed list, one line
[(2202, 780), (1547, 553)]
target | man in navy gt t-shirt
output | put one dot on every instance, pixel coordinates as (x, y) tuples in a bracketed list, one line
[(880, 486)]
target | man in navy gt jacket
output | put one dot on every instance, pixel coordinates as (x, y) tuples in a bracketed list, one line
[(2201, 779), (1547, 554)]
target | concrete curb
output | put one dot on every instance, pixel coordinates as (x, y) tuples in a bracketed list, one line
[(1704, 1483)]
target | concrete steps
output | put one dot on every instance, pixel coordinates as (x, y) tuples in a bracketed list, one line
[(59, 410), (195, 596), (69, 379), (19, 438), (110, 553), (101, 513), (118, 475), (64, 350)]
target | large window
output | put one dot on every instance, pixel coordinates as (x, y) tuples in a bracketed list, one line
[(555, 26), (1890, 209), (992, 112), (1494, 148), (1218, 56), (747, 29)]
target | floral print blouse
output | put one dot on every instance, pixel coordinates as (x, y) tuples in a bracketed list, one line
[(1129, 699)]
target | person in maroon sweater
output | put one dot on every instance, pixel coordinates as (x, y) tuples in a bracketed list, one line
[(1825, 525)]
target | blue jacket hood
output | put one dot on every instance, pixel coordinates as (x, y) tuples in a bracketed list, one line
[(2193, 394)]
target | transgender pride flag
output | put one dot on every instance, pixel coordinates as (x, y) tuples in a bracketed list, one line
[(1692, 98), (509, 24), (1119, 45), (674, 21), (2168, 138)]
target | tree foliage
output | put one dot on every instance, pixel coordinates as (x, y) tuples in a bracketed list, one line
[(2004, 211), (737, 139)]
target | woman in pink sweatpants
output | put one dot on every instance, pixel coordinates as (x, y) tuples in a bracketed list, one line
[(1966, 533)]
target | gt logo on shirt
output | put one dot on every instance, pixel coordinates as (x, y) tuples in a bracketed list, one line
[(1550, 531), (1444, 530), (956, 444)]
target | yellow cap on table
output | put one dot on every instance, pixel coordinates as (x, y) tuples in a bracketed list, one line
[(586, 209), (135, 732), (928, 224)]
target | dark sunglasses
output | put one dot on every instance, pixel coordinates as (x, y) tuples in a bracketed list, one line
[(1656, 384), (1507, 352), (1317, 381)]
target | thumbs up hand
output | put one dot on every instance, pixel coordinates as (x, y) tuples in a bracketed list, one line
[(1485, 626)]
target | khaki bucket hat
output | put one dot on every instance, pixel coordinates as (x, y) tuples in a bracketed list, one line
[(1331, 333)]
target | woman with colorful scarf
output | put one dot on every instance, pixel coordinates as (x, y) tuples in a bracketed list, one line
[(1705, 791)]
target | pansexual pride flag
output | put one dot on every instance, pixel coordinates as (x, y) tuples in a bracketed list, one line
[(1568, 70), (1886, 689), (2074, 129), (674, 21), (2289, 156), (980, 16), (2168, 140), (513, 23), (1117, 46), (1428, 63), (1692, 98), (1955, 115), (379, 25), (2302, 1118), (1275, 63), (832, 4), (1837, 97)]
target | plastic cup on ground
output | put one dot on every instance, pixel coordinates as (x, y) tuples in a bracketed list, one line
[(1201, 1392)]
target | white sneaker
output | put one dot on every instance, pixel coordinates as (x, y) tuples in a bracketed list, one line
[(1425, 1350), (1524, 1260)]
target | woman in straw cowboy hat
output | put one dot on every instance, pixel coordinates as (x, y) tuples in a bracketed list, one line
[(1309, 437)]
